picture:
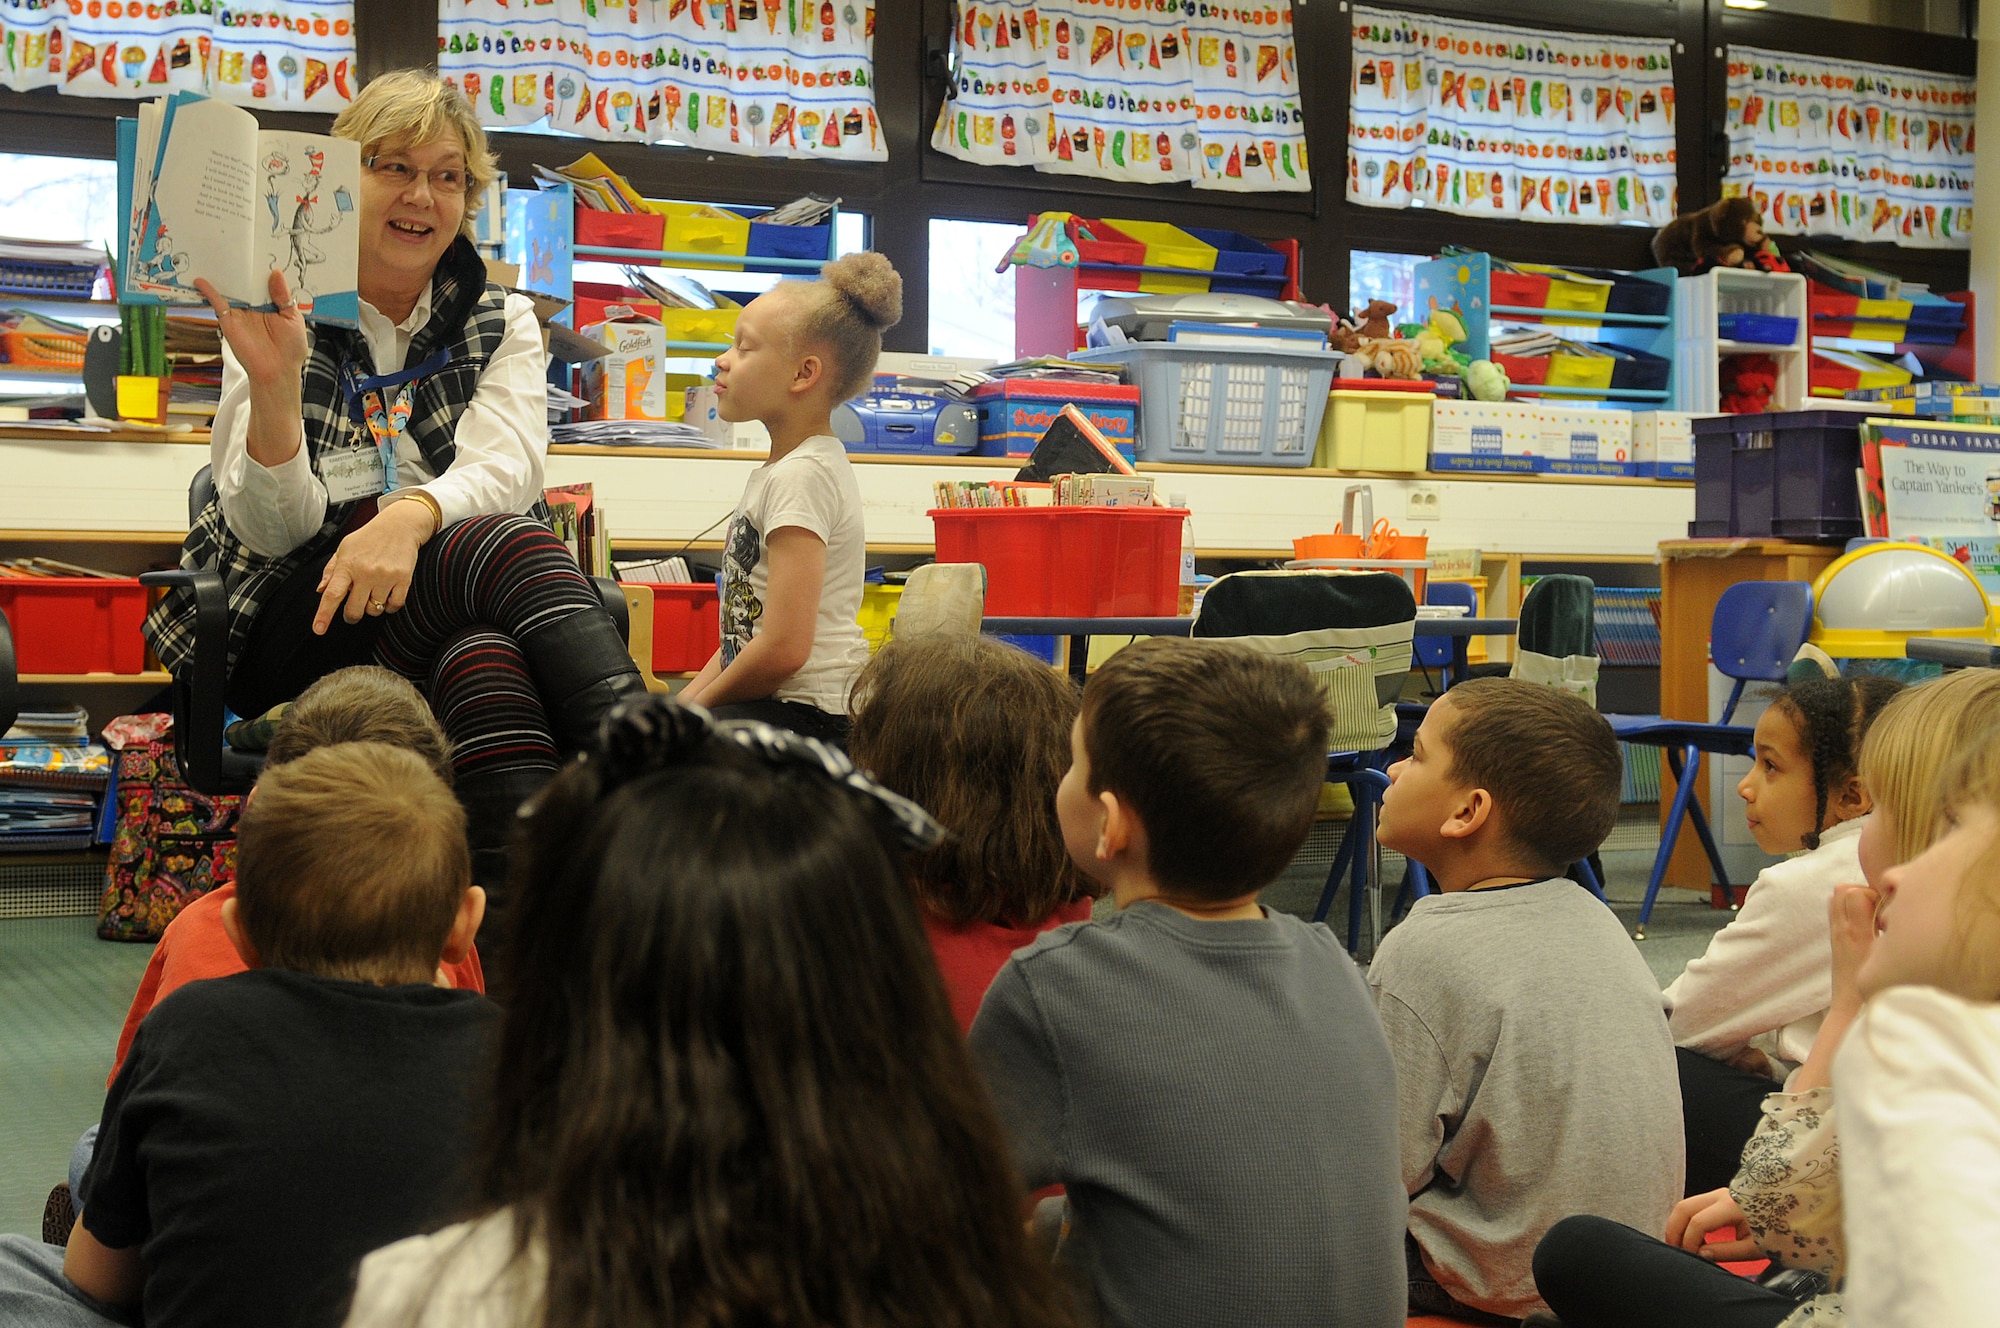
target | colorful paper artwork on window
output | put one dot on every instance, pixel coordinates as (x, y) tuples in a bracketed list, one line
[(1866, 152), (761, 78), (1492, 121), (1152, 93), (282, 55)]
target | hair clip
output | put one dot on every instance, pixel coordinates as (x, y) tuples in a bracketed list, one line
[(651, 733)]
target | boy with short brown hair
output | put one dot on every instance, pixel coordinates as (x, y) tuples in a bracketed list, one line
[(1205, 1077), (270, 1128), (1534, 1070)]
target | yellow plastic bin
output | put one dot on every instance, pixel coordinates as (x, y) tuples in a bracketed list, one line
[(1571, 291), (1386, 431), (716, 325), (1580, 371), (878, 613), (697, 228), (1169, 246)]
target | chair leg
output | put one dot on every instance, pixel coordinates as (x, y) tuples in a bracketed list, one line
[(1720, 895), (1362, 830), (1333, 874), (1670, 833), (1588, 879)]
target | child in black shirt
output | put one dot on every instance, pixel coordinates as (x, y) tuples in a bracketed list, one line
[(271, 1127)]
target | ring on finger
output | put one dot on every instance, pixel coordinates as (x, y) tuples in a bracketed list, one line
[(375, 606)]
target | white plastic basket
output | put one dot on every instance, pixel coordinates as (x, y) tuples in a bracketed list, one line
[(1252, 407)]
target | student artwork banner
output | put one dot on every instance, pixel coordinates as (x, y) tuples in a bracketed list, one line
[(757, 78), (1861, 151), (286, 56), (1490, 121), (1157, 93)]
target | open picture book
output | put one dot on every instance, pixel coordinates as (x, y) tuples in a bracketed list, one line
[(205, 193)]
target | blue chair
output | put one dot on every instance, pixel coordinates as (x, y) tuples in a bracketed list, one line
[(1758, 627), (1434, 652)]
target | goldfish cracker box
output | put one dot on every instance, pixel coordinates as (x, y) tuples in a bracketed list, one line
[(629, 383)]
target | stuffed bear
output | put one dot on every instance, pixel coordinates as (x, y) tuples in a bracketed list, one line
[(1374, 320), (1728, 234)]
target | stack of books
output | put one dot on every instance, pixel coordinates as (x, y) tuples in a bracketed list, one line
[(1628, 625), (51, 269), (53, 781)]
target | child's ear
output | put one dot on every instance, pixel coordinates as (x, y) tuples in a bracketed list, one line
[(232, 927), (1848, 801), (1471, 810), (464, 927), (1119, 832), (809, 375)]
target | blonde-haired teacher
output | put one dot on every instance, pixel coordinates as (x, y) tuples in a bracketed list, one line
[(378, 492)]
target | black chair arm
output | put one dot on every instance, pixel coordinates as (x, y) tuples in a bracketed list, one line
[(10, 680), (198, 704), (614, 603)]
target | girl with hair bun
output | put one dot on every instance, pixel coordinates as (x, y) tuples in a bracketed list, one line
[(794, 557)]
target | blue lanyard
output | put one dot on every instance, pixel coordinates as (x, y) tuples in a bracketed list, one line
[(386, 421)]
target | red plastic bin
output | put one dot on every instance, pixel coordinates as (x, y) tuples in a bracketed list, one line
[(687, 624), (1069, 562), (620, 230), (75, 624), (1520, 290)]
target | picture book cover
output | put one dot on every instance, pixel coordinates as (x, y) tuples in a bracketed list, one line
[(205, 192), (1073, 446)]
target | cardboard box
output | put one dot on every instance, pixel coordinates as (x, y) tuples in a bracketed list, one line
[(1663, 444), (1485, 436), (630, 382), (748, 436), (1584, 441)]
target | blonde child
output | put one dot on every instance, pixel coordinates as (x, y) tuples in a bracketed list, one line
[(1745, 1013), (793, 558), (1786, 1201), (976, 733)]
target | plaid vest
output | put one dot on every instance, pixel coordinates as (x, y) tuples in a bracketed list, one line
[(468, 317)]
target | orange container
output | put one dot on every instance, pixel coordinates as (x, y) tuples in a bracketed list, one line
[(1327, 546)]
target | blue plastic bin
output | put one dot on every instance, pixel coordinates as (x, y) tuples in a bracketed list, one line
[(767, 241), (1254, 268), (1760, 329)]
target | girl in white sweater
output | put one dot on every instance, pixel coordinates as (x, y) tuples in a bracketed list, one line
[(1745, 1013)]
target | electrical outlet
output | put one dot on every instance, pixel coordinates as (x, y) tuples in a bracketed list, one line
[(1426, 502)]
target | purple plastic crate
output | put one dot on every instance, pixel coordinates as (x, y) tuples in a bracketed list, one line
[(1787, 474)]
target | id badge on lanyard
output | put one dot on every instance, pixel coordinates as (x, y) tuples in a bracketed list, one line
[(381, 402)]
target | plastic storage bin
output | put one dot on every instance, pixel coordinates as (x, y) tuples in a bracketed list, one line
[(1170, 246), (1522, 290), (1103, 242), (1641, 370), (879, 602), (1256, 407), (1787, 474), (619, 230), (1014, 413), (809, 242), (82, 624), (1580, 371), (1069, 562), (1760, 329), (1388, 431), (687, 624), (1243, 266)]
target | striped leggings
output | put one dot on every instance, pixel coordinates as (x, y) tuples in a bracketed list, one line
[(480, 587)]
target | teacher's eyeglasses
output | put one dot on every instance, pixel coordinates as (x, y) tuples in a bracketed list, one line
[(443, 179)]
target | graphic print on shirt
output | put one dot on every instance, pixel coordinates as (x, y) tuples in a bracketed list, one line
[(740, 606)]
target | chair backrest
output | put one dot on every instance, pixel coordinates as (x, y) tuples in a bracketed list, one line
[(942, 599), (1352, 630), (201, 489), (1434, 652), (1757, 629), (1558, 617)]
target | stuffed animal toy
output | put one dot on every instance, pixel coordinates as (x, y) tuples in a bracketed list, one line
[(1728, 234), (1486, 381), (1374, 320), (1392, 357)]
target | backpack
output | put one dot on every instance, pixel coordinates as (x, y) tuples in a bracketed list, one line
[(172, 845)]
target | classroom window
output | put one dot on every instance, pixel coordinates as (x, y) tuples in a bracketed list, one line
[(972, 306), (1374, 274), (58, 198), (1939, 17)]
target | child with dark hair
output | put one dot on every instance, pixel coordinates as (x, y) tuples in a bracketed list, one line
[(977, 733), (729, 1088), (1744, 1014), (1533, 1067), (271, 1127), (1202, 1075)]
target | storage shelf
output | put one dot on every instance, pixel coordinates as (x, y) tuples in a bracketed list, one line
[(1592, 319), (1727, 347), (19, 372), (154, 679), (1593, 393), (703, 262)]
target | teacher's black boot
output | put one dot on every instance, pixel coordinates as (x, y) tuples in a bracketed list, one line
[(582, 669), (492, 800)]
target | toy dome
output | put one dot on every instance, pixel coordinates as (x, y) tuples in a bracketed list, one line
[(1867, 603)]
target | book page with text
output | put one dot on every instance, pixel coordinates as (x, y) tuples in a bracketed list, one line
[(201, 192)]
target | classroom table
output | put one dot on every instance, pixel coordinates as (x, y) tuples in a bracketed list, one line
[(1080, 630), (1953, 652)]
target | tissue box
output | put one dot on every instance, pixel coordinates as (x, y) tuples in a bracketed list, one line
[(1584, 441), (627, 384), (1485, 436), (748, 436), (1663, 444)]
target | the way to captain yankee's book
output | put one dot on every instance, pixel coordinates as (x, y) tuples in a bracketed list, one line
[(204, 192)]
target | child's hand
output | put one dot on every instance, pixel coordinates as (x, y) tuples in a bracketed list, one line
[(1851, 923), (1694, 1217)]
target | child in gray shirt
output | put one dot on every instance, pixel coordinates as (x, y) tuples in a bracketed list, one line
[(1534, 1068), (1205, 1078)]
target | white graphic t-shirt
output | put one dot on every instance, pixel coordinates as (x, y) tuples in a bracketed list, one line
[(813, 488)]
